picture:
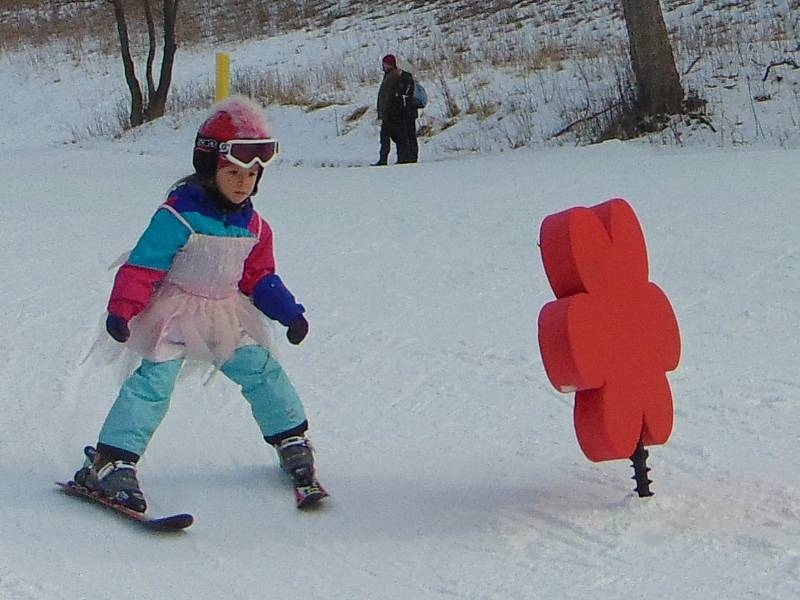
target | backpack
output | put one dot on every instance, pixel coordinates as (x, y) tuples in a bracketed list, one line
[(420, 95), (411, 92)]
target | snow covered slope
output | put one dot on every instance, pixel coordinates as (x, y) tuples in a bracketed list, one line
[(452, 463)]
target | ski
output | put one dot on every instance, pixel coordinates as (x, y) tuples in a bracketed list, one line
[(175, 522), (307, 496)]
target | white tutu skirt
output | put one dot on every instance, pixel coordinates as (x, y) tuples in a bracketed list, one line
[(178, 324), (197, 312)]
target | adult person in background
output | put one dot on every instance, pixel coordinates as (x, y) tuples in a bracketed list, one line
[(397, 112)]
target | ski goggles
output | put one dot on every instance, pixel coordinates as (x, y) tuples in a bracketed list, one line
[(246, 153)]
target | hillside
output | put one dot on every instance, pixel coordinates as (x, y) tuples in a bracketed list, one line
[(501, 75)]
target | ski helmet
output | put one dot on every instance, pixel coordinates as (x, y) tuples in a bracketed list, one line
[(235, 118)]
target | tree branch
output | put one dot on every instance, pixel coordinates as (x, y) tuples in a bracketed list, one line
[(127, 62), (151, 53), (691, 66), (158, 103), (591, 117), (778, 64)]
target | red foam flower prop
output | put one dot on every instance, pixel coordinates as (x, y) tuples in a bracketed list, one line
[(611, 335)]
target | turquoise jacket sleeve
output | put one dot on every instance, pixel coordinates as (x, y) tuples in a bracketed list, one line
[(147, 264)]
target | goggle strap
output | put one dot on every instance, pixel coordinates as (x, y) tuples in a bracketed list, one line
[(206, 143)]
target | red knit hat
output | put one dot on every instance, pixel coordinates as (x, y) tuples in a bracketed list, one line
[(390, 59)]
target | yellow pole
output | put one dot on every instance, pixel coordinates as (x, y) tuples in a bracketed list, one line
[(223, 76)]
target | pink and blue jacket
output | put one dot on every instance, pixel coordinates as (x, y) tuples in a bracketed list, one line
[(152, 257)]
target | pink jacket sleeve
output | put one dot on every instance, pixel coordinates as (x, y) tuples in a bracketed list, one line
[(133, 288), (261, 261)]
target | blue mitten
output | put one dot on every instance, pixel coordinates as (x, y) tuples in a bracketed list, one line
[(273, 299)]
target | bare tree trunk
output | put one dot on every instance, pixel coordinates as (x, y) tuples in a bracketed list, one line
[(158, 101), (151, 54), (156, 97), (659, 86), (137, 112)]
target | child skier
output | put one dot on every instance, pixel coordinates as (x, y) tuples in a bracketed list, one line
[(195, 287)]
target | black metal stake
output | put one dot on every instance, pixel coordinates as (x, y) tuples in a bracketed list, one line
[(640, 469)]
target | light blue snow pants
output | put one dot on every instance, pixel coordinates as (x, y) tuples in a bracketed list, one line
[(144, 398)]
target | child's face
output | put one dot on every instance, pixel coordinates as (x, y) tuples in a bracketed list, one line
[(236, 183)]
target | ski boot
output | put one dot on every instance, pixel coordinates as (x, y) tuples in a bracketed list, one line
[(297, 459), (115, 479)]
